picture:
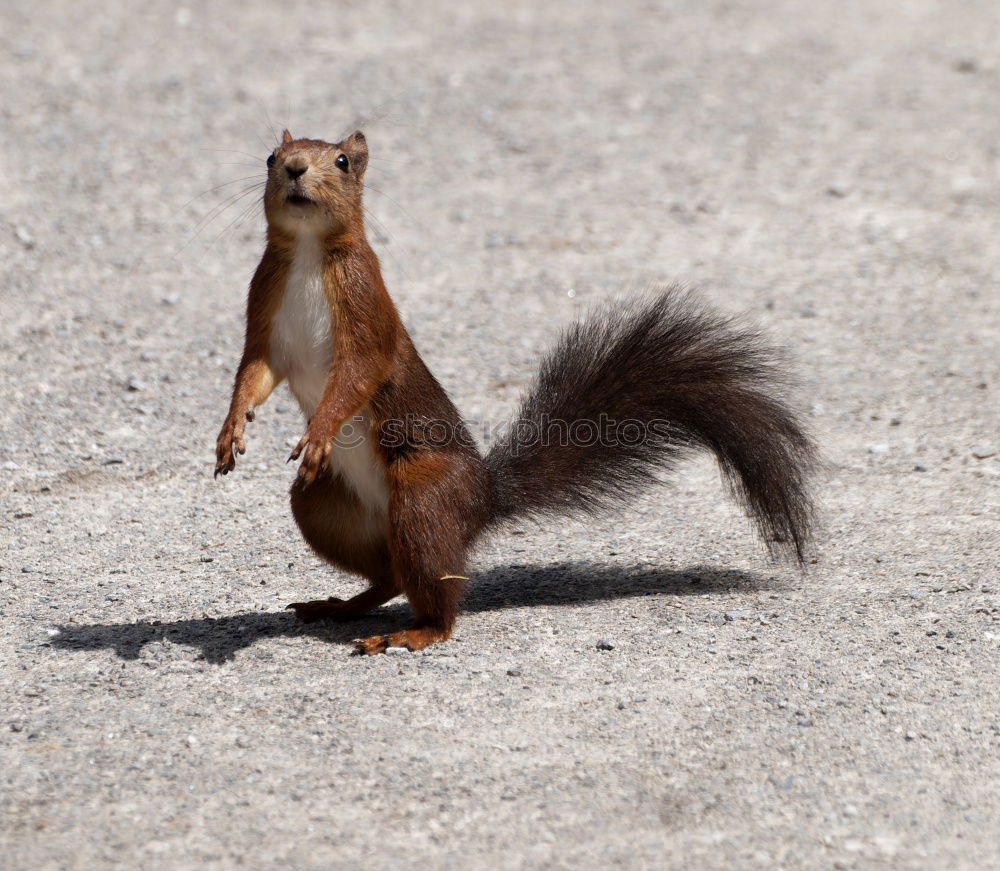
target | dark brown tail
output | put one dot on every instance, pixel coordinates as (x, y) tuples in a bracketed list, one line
[(633, 390)]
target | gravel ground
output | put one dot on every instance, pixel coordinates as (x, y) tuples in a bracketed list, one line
[(643, 691)]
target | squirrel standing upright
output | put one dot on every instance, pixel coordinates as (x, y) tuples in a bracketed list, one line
[(392, 487)]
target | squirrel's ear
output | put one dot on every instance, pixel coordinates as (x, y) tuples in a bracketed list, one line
[(357, 147), (286, 137)]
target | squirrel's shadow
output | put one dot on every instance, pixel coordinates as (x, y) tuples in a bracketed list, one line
[(502, 587)]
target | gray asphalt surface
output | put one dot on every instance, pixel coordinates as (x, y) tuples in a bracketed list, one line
[(830, 168)]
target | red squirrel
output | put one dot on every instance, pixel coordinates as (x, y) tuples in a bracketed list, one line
[(391, 485)]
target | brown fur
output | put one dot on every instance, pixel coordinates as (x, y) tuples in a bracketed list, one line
[(442, 494)]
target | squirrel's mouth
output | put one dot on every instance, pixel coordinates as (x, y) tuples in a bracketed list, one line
[(299, 200)]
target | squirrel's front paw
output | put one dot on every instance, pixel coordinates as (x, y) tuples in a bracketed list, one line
[(315, 450), (229, 444)]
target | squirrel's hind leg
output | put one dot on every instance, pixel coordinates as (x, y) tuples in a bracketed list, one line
[(340, 530), (346, 609), (435, 604), (431, 525), (434, 597)]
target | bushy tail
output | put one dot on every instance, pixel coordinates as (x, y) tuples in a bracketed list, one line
[(632, 390)]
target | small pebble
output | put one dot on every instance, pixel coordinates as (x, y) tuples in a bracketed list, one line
[(397, 651), (920, 467), (880, 448), (981, 452), (739, 614), (11, 466), (605, 645), (24, 237), (514, 672), (807, 311)]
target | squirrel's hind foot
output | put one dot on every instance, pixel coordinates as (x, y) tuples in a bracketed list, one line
[(325, 609), (412, 639), (340, 609)]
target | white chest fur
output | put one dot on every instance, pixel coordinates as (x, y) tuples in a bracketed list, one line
[(302, 350), (301, 343)]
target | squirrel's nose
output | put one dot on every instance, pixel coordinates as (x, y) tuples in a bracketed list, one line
[(295, 171)]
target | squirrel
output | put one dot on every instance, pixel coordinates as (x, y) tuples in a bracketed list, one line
[(392, 487)]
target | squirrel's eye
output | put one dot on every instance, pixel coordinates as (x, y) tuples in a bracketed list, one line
[(270, 161), (342, 163)]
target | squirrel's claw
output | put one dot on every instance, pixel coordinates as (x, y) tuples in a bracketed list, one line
[(297, 450), (315, 458), (229, 445)]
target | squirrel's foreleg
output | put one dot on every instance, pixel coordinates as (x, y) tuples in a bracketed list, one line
[(255, 380)]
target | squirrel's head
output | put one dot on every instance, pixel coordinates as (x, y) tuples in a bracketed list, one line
[(315, 186)]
